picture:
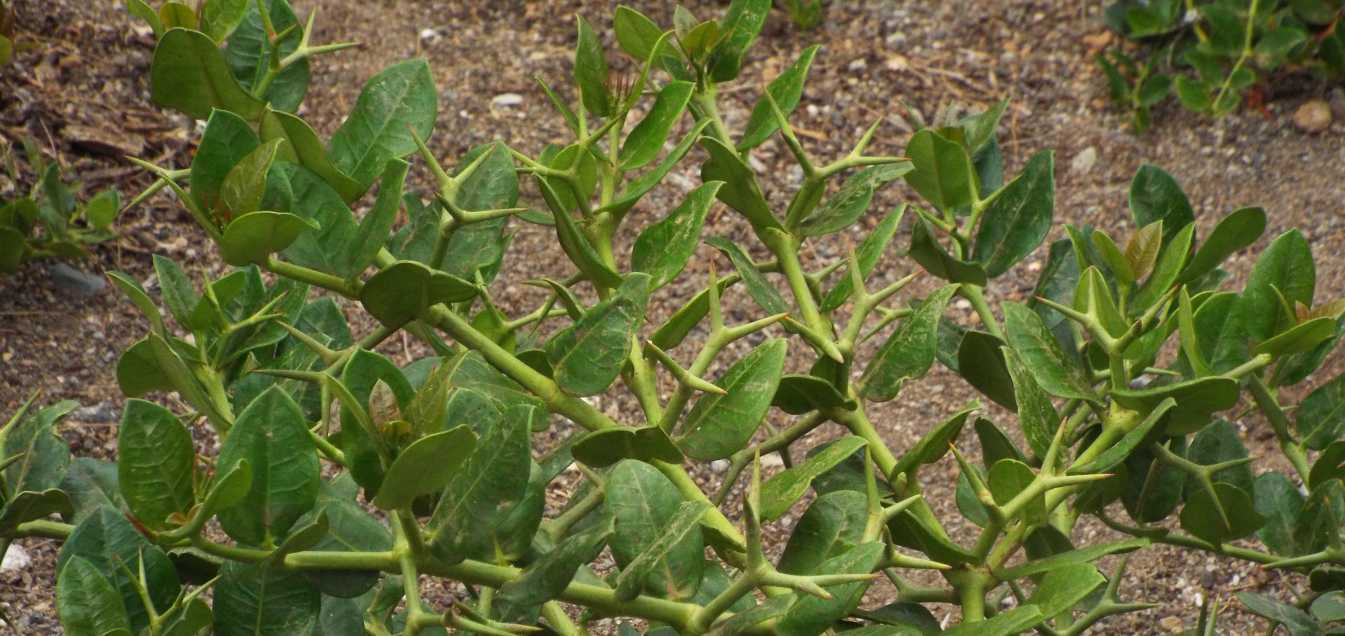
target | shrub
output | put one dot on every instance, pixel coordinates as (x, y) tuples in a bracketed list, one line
[(432, 468), (1212, 52), (48, 221)]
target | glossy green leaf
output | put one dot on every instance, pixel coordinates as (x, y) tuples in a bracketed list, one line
[(647, 138), (1036, 413), (943, 174), (1320, 417), (1285, 269), (272, 436), (482, 491), (1009, 477), (741, 24), (588, 356), (740, 190), (926, 251), (812, 615), (934, 444), (219, 18), (1201, 516), (643, 503), (1299, 338), (307, 149), (780, 492), (833, 523), (227, 139), (980, 361), (1064, 587), (425, 466), (155, 464), (609, 446), (758, 287), (1017, 217), (115, 548), (799, 394), (189, 74), (394, 107), (909, 352), (684, 521), (87, 602), (786, 89), (663, 249), (720, 425), (400, 292), (253, 237), (1094, 297), (42, 455), (1166, 272), (259, 600), (546, 577), (1054, 371), (1155, 196), (1114, 259), (867, 256), (590, 71), (636, 34), (1235, 232)]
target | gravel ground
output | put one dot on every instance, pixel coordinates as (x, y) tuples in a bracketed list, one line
[(82, 92)]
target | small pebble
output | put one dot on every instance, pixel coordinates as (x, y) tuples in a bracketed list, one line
[(16, 559), (1313, 116), (77, 282), (507, 99), (1084, 161)]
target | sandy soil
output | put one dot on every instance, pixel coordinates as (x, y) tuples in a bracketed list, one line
[(82, 92)]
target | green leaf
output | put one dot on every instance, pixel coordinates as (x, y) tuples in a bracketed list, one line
[(1114, 259), (943, 174), (259, 600), (116, 549), (1329, 465), (1094, 297), (219, 18), (481, 493), (272, 436), (1155, 196), (720, 425), (42, 454), (1201, 517), (590, 71), (1009, 477), (642, 503), (251, 52), (1118, 452), (91, 483), (609, 446), (909, 352), (1017, 217), (102, 209), (1166, 272), (1036, 414), (741, 24), (546, 577), (812, 615), (1277, 499), (1071, 557), (848, 204), (29, 506), (1015, 621), (646, 139), (227, 139), (588, 356), (1285, 269), (156, 464), (375, 226), (87, 602), (636, 34), (349, 529), (833, 523), (1299, 338), (740, 190), (868, 255), (685, 521), (636, 189), (1319, 523), (786, 89), (253, 237), (1295, 620), (1235, 232), (799, 394), (780, 492), (1054, 371), (576, 246), (425, 466), (980, 361), (307, 149), (761, 290), (1196, 400), (189, 74), (926, 251), (1064, 587), (663, 249), (1320, 417), (400, 292), (934, 444), (395, 106)]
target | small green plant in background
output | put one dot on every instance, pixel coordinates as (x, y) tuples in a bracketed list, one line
[(1210, 53), (805, 14), (48, 221), (438, 468)]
